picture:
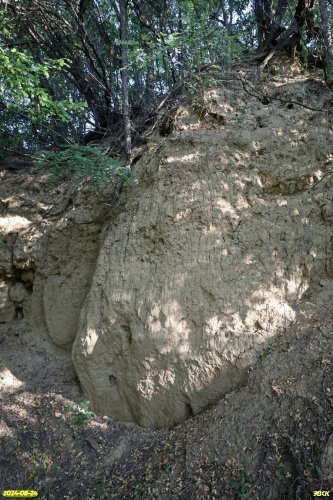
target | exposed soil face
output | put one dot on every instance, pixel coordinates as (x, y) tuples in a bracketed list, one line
[(271, 437), (204, 263)]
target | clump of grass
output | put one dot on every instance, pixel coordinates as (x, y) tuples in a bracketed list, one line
[(240, 487), (82, 412), (84, 162)]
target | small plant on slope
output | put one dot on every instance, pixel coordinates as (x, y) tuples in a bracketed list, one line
[(82, 162)]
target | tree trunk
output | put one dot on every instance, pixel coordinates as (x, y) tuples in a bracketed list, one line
[(263, 15), (181, 55), (124, 74), (278, 39), (328, 41)]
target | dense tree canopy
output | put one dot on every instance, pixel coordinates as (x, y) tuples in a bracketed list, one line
[(80, 70)]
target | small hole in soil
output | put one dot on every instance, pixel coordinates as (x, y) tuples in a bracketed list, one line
[(113, 380), (290, 106), (19, 313), (135, 160), (166, 127), (265, 100), (188, 411)]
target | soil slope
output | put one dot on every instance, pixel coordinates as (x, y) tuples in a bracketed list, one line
[(206, 262), (229, 231)]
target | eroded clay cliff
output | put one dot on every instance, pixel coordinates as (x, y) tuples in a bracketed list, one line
[(173, 291), (205, 263), (48, 249)]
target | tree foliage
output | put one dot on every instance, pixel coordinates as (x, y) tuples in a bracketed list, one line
[(120, 58)]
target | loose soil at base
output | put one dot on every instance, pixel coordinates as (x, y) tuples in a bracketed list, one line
[(265, 440)]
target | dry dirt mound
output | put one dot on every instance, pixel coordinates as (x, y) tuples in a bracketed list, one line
[(230, 232)]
